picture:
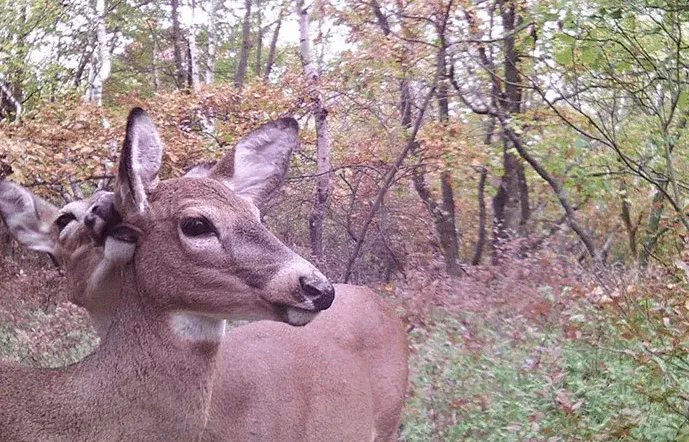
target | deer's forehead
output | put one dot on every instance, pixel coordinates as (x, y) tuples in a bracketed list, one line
[(172, 196)]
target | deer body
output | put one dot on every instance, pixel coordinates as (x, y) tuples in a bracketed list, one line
[(343, 376), (189, 254)]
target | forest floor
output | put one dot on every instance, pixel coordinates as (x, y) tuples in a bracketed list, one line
[(521, 352)]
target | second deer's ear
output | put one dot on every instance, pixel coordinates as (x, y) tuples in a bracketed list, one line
[(140, 161), (258, 164), (28, 217)]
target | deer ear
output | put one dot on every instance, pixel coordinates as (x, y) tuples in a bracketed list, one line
[(28, 217), (142, 152), (258, 164)]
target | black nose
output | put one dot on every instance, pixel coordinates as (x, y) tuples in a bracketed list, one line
[(318, 290)]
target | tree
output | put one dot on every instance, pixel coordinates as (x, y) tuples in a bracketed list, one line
[(179, 74), (442, 213), (499, 94), (320, 113), (623, 85), (211, 45), (273, 47), (193, 51), (243, 63), (101, 65)]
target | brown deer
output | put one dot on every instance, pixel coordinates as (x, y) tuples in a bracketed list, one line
[(196, 254), (342, 377)]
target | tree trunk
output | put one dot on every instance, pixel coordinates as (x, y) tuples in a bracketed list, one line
[(525, 212), (653, 230), (506, 204), (259, 39), (84, 61), (629, 225), (193, 52), (323, 182), (22, 48), (511, 204), (482, 218), (212, 35), (240, 74), (102, 68), (10, 105), (177, 46), (273, 47), (447, 228), (445, 223), (154, 62)]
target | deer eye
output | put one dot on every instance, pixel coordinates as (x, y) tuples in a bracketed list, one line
[(64, 219), (196, 227)]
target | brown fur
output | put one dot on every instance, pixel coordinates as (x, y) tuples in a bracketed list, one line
[(265, 365), (340, 378)]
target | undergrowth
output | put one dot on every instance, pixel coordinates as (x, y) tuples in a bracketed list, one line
[(526, 351), (587, 360)]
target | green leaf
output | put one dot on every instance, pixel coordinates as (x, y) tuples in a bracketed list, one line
[(588, 55), (563, 57), (581, 143), (683, 99)]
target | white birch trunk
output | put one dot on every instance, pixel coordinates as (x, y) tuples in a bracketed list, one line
[(101, 67), (323, 183), (18, 109), (210, 56), (193, 51)]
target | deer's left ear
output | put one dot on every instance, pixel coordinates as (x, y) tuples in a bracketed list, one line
[(257, 166), (142, 153)]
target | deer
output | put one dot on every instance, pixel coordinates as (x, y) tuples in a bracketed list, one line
[(194, 254), (344, 375)]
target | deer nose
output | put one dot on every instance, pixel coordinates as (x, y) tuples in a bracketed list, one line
[(318, 290)]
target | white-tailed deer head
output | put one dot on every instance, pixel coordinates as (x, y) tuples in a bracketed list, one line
[(93, 280), (207, 233)]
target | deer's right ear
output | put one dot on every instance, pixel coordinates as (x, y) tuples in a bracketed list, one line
[(142, 153), (257, 166), (28, 217)]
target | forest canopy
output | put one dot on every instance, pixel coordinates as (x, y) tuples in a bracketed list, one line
[(540, 122)]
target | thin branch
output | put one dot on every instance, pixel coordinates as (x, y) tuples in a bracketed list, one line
[(389, 177)]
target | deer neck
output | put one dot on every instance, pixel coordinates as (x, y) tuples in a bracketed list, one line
[(169, 374)]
